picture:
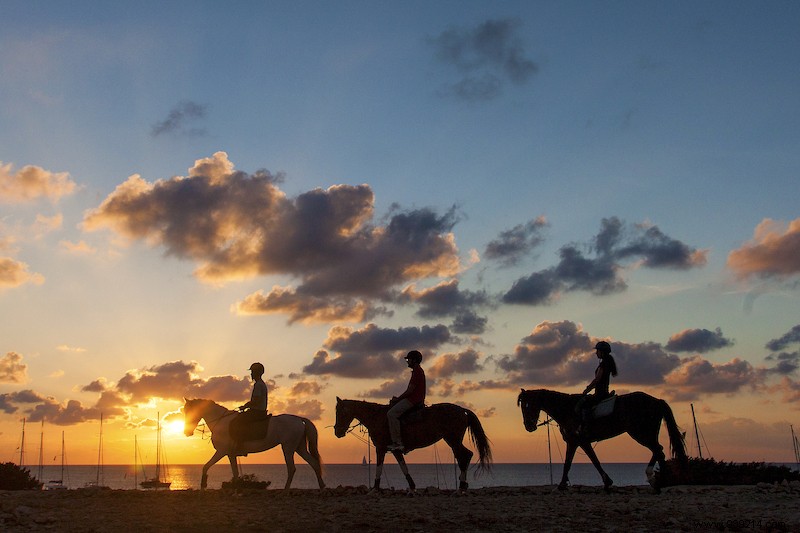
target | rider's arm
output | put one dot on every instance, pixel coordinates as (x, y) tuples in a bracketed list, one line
[(597, 375)]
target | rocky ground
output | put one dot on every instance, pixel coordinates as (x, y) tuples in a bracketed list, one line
[(353, 509)]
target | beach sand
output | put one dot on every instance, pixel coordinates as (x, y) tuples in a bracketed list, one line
[(629, 509)]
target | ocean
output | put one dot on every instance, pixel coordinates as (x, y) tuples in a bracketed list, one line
[(442, 476)]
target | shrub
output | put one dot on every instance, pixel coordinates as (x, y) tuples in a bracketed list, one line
[(13, 477), (711, 472)]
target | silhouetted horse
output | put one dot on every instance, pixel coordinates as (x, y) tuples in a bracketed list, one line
[(295, 434), (637, 414), (439, 421)]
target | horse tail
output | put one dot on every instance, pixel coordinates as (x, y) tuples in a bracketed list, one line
[(312, 440), (676, 442), (480, 440)]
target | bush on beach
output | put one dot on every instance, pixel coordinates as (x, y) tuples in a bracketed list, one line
[(13, 477), (711, 472)]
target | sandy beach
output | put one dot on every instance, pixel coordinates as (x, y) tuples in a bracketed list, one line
[(682, 508)]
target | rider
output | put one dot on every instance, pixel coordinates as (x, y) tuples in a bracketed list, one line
[(600, 383), (413, 396), (256, 409)]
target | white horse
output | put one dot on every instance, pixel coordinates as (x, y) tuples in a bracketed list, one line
[(295, 434)]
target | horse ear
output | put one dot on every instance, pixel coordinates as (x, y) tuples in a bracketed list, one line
[(521, 389), (338, 400)]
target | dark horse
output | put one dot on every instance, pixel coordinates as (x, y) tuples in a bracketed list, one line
[(637, 414), (439, 421)]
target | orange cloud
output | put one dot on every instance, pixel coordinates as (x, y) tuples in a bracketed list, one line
[(15, 273), (774, 251), (12, 369), (31, 183)]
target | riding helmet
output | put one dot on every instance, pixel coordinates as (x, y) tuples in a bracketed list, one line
[(258, 368), (603, 346), (414, 356)]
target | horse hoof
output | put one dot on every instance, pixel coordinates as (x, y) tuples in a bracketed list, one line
[(562, 486)]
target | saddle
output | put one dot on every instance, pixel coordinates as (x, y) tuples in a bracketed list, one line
[(413, 415), (604, 407), (250, 426)]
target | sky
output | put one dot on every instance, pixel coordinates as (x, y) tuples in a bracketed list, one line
[(189, 187)]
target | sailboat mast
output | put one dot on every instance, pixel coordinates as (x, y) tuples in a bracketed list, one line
[(41, 452), (62, 455), (549, 451), (100, 451), (158, 447), (696, 433), (22, 445)]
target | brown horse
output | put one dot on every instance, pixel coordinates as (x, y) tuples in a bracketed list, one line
[(637, 414), (439, 421)]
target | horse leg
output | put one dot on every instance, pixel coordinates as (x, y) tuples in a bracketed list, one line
[(288, 456), (463, 456), (402, 462), (571, 449), (211, 462), (234, 466), (381, 455), (313, 462), (653, 445), (607, 482)]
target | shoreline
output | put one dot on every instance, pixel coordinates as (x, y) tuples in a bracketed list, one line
[(761, 507)]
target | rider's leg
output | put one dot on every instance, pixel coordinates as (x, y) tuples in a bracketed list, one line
[(393, 417)]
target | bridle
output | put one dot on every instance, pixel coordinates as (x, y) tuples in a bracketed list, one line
[(210, 423)]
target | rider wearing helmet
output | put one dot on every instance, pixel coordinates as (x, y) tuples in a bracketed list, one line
[(253, 411), (413, 396), (258, 398), (600, 383)]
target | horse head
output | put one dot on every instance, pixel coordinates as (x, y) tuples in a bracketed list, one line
[(530, 409), (191, 416), (344, 416)]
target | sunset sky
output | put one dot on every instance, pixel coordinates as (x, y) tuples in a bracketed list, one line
[(189, 187)]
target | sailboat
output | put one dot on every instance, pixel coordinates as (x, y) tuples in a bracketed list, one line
[(156, 482), (58, 484), (98, 482)]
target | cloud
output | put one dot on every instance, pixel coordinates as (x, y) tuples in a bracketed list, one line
[(7, 400), (557, 354), (178, 379), (785, 363), (615, 247), (697, 375), (791, 391), (308, 309), (15, 273), (372, 351), (698, 340), (450, 364), (237, 226), (512, 245), (12, 369), (181, 120), (311, 409), (774, 252), (486, 57), (791, 337), (31, 183), (446, 299), (77, 248), (560, 353)]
